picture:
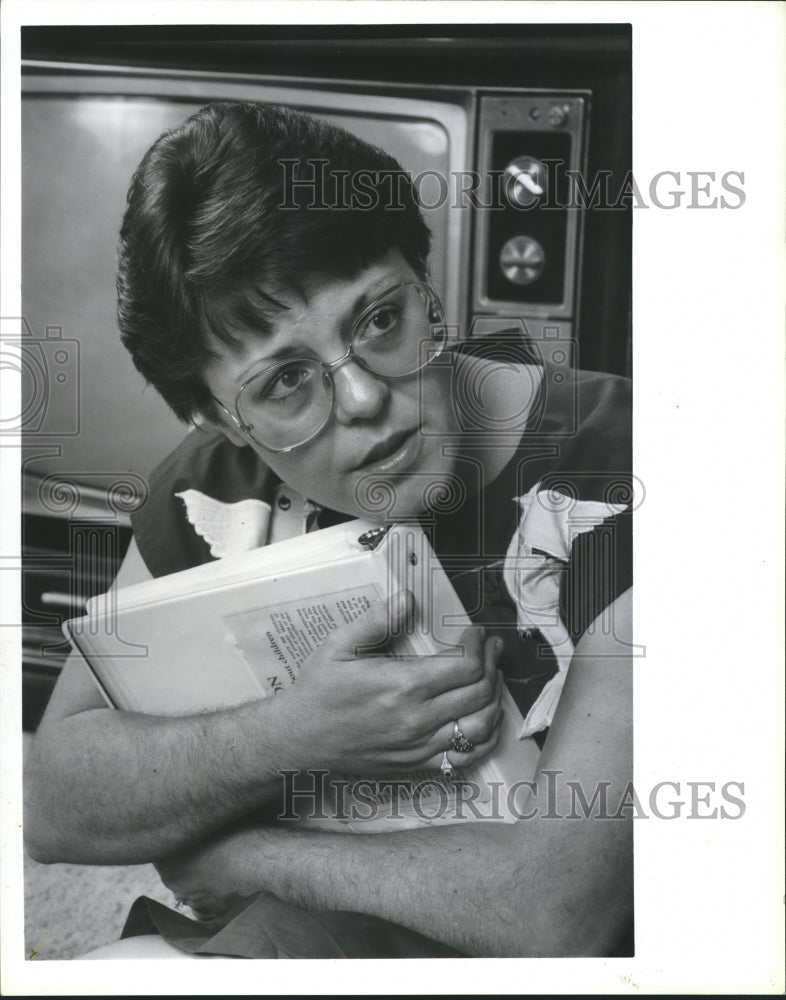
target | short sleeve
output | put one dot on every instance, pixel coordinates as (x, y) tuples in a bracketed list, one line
[(205, 461), (599, 571)]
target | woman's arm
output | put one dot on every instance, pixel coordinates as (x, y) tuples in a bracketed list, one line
[(558, 883), (111, 787)]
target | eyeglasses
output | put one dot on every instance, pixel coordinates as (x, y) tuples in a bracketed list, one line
[(289, 403)]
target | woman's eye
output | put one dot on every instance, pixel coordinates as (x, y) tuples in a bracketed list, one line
[(384, 321), (286, 382)]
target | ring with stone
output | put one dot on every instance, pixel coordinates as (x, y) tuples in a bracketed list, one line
[(446, 767), (459, 741)]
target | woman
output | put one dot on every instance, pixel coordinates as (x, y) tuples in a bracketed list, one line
[(305, 340)]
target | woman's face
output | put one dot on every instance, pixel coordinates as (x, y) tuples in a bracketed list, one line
[(383, 449)]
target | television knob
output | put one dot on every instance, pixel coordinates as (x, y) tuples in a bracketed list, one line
[(558, 114), (522, 260), (524, 181)]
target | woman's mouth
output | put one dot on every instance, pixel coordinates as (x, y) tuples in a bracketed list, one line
[(395, 452)]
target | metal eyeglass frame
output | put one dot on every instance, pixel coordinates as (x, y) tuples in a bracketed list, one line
[(328, 367)]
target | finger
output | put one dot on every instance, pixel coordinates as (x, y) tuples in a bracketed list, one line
[(464, 701), (371, 631), (477, 728), (462, 761), (456, 667)]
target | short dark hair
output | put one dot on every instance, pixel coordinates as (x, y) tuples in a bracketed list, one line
[(205, 237)]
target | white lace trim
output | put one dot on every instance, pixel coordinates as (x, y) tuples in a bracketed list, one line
[(228, 528), (535, 560)]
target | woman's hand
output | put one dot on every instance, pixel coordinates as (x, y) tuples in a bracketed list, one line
[(365, 713)]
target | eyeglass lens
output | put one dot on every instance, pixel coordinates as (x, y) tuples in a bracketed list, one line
[(289, 403)]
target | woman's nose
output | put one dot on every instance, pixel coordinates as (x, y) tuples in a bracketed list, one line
[(358, 395)]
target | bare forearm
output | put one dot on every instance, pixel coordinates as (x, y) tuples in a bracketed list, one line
[(105, 787), (508, 891), (534, 889), (429, 881)]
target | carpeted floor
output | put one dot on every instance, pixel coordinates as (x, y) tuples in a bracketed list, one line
[(71, 909)]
